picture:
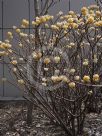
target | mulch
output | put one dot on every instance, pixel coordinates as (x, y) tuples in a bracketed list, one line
[(13, 122)]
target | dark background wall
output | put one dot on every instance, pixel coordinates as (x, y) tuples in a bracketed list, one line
[(14, 12)]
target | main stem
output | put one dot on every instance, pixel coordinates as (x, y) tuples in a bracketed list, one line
[(30, 104)]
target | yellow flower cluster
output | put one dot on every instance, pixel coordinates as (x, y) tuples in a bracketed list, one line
[(23, 35), (72, 85), (14, 62), (10, 35), (98, 23), (71, 20), (86, 78), (96, 77), (18, 30), (42, 19), (60, 78), (57, 59), (21, 81), (36, 55), (25, 23), (86, 62), (2, 53), (92, 15), (67, 21), (4, 45), (90, 20), (55, 79), (55, 27), (84, 11), (77, 78), (47, 61), (14, 69), (98, 14)]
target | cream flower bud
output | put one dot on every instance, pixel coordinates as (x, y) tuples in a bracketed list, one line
[(47, 61), (46, 69), (7, 41), (70, 20), (20, 45), (21, 81), (33, 23), (65, 70), (71, 13), (57, 59), (90, 20), (77, 78), (64, 78), (85, 63), (72, 44), (14, 27), (69, 47), (34, 55), (14, 62), (2, 53), (84, 11), (6, 45), (98, 14), (25, 23), (23, 35), (44, 79), (86, 78), (54, 78), (10, 51), (72, 85), (44, 84), (18, 31), (96, 77), (60, 13), (95, 60), (14, 69), (9, 34), (54, 27), (90, 92), (39, 55)]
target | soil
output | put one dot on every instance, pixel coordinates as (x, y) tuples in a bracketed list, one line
[(13, 122)]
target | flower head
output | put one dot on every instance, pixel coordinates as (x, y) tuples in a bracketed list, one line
[(86, 78), (96, 77), (72, 85)]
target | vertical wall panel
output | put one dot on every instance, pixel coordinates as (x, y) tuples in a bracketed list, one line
[(10, 89), (14, 12), (76, 5)]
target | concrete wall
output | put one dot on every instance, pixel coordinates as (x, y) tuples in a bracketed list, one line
[(14, 11)]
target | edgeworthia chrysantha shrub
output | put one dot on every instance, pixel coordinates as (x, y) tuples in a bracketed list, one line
[(59, 63)]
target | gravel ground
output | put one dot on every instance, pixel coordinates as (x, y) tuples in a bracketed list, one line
[(13, 116), (93, 124)]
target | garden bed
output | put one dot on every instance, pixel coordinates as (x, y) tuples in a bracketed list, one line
[(13, 122)]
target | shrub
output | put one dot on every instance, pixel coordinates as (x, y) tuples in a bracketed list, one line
[(59, 65)]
